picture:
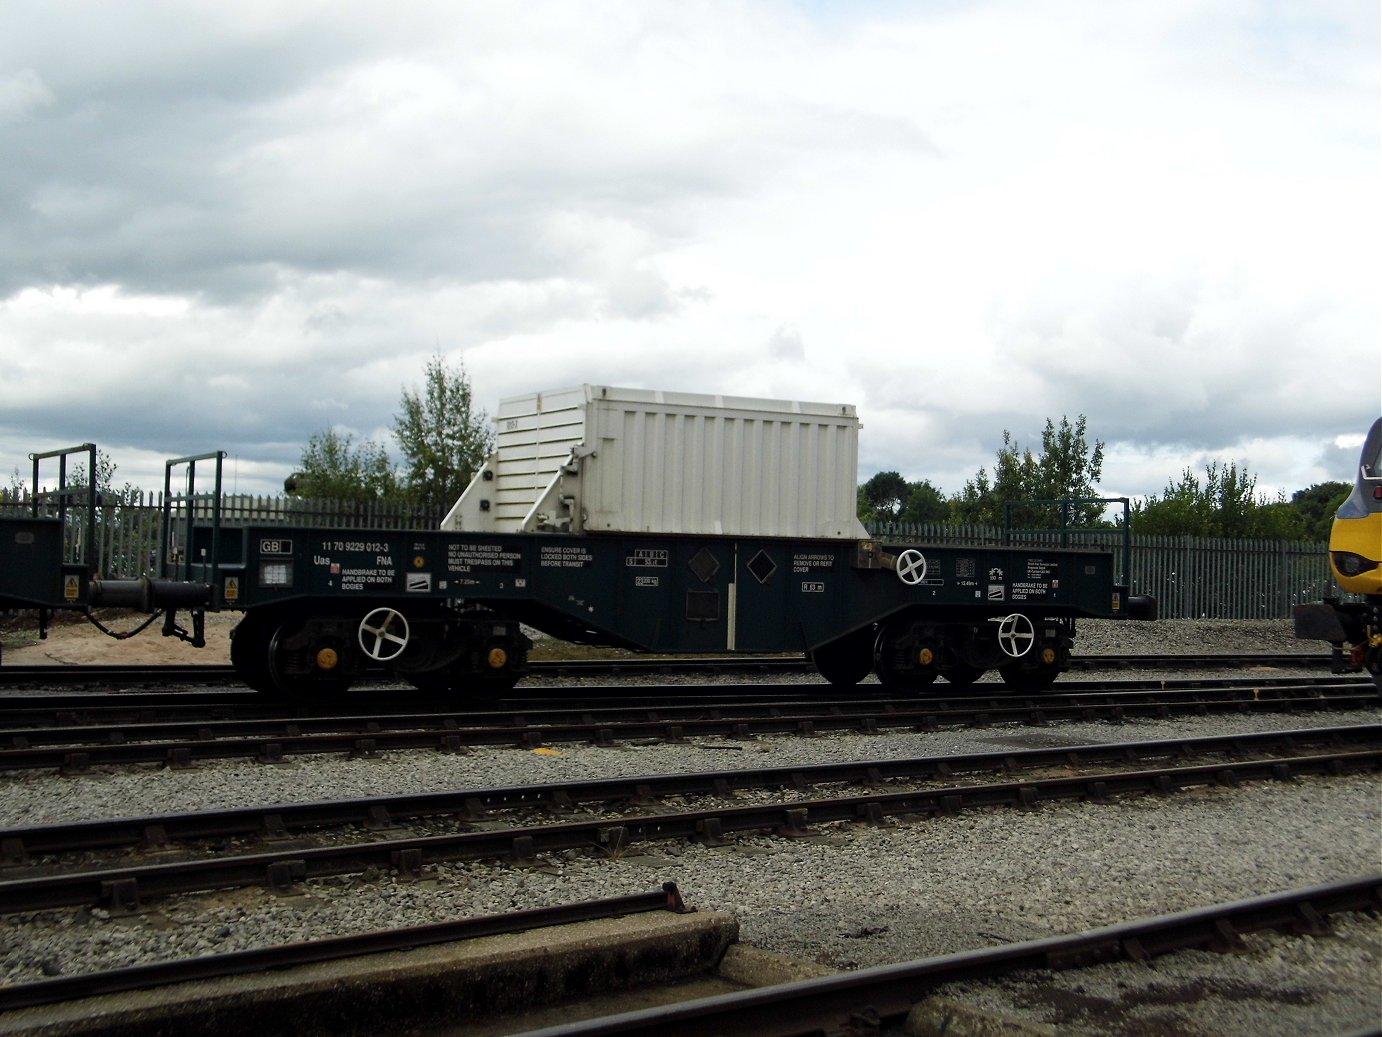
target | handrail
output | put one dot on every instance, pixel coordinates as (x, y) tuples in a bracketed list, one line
[(167, 562), (63, 494)]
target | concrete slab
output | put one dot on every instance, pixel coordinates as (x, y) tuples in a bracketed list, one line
[(458, 988)]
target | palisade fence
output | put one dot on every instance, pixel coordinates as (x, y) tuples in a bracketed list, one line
[(129, 530), (1191, 577)]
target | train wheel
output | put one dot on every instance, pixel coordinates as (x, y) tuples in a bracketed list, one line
[(249, 653), (1038, 678), (846, 660), (1039, 670), (898, 662), (303, 667), (483, 675), (278, 656), (504, 664), (1372, 657)]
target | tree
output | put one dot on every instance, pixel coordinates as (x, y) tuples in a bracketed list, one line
[(443, 437), (925, 503), (105, 476), (1224, 505), (882, 497), (334, 468), (1067, 467), (17, 489), (1316, 507)]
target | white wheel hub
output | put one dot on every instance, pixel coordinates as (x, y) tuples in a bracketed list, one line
[(384, 634), (911, 566), (1016, 635)]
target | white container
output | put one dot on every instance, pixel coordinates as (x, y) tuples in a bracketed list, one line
[(596, 459)]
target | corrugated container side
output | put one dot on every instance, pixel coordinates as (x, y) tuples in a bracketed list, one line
[(689, 468), (665, 462)]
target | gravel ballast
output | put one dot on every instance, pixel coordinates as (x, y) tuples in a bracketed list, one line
[(848, 896)]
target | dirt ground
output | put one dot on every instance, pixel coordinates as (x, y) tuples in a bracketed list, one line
[(72, 639)]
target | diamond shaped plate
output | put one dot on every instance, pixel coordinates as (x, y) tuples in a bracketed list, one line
[(704, 565), (762, 566)]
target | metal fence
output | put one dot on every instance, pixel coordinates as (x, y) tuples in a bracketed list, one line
[(1191, 577), (129, 530)]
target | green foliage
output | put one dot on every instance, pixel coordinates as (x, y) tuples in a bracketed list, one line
[(883, 497), (16, 488), (925, 503), (1224, 505), (887, 497), (443, 440), (443, 437), (333, 467), (1317, 505), (106, 492), (1066, 468)]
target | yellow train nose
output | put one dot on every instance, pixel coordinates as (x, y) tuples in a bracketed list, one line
[(1355, 553)]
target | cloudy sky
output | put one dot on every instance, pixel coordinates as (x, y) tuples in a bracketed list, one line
[(229, 226)]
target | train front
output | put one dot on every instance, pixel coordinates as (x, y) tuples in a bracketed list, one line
[(1355, 559)]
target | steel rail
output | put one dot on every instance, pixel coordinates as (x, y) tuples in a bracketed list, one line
[(201, 673), (238, 963), (124, 887), (886, 993), (87, 673), (149, 726), (39, 674), (23, 713), (456, 732), (21, 843)]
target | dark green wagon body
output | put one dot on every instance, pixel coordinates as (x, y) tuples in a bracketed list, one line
[(32, 573), (659, 593)]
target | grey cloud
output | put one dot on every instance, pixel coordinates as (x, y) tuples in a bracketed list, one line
[(22, 93), (211, 159), (786, 344)]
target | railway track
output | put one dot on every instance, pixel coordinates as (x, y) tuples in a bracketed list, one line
[(38, 675), (875, 996), (625, 818), (43, 992), (22, 711), (133, 869), (856, 1002), (1320, 750), (76, 748), (864, 1002)]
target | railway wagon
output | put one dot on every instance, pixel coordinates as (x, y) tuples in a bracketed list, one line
[(652, 521), (1355, 559)]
